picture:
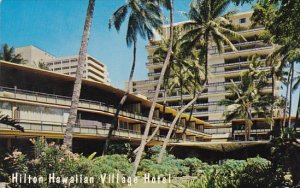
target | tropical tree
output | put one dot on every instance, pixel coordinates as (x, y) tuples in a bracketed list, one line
[(295, 88), (8, 54), (143, 16), (169, 5), (79, 74), (209, 22), (278, 17), (247, 99)]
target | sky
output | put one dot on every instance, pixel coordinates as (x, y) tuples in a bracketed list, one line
[(56, 26)]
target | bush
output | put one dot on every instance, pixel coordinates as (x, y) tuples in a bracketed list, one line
[(51, 158), (169, 165)]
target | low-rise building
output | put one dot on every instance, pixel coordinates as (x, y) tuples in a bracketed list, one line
[(40, 100)]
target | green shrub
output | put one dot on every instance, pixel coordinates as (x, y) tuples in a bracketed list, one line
[(51, 158)]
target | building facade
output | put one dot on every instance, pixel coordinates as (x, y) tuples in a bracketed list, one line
[(40, 100), (93, 68), (33, 55), (222, 67)]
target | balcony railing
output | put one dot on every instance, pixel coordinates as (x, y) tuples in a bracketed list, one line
[(252, 47), (228, 71), (233, 63), (252, 131), (96, 130), (196, 104), (154, 74), (66, 101)]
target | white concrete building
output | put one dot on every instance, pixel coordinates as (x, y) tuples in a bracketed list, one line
[(93, 68), (222, 67), (33, 55)]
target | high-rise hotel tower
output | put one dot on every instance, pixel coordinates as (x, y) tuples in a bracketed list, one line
[(222, 67)]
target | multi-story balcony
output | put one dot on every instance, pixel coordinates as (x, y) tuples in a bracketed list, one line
[(252, 29), (154, 74), (236, 69), (232, 63), (243, 47), (89, 131), (63, 101), (195, 105)]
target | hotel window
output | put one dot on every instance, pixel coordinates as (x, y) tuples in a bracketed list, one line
[(73, 60), (242, 20), (65, 61), (57, 62), (57, 69), (65, 68), (75, 66)]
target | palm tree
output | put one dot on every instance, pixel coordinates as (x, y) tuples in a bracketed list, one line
[(8, 54), (295, 88), (276, 64), (143, 16), (79, 74), (246, 96), (169, 5), (209, 22)]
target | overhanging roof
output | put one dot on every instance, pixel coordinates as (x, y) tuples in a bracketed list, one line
[(96, 84)]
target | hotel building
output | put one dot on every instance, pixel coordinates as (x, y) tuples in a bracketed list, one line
[(222, 67), (93, 68), (39, 100), (33, 55)]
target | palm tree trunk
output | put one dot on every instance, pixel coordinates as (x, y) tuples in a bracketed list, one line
[(79, 74), (191, 113), (114, 125), (160, 80), (286, 97), (297, 121), (163, 149), (273, 101), (160, 121), (291, 95), (167, 139)]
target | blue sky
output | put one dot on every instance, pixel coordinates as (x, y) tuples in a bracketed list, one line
[(56, 26)]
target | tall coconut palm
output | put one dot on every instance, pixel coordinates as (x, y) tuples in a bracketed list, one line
[(142, 16), (209, 22), (247, 99), (79, 74), (276, 64), (8, 54), (296, 88), (169, 5)]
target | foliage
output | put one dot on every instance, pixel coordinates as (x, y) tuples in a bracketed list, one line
[(8, 54), (253, 172), (121, 148), (247, 98), (52, 158), (142, 17), (169, 165)]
